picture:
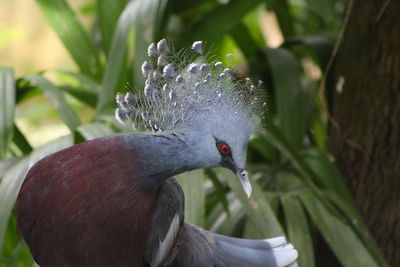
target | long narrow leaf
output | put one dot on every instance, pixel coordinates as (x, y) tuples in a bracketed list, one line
[(150, 25), (324, 8), (283, 13), (7, 103), (340, 237), (84, 80), (340, 195), (220, 20), (158, 19), (15, 252), (193, 187), (57, 99), (320, 46), (356, 221), (108, 12), (273, 135), (219, 192), (20, 141), (94, 130), (140, 50), (131, 15), (264, 148), (330, 175), (85, 96), (5, 164), (288, 94), (298, 229), (244, 40), (9, 188), (222, 222), (75, 38), (256, 206), (276, 138)]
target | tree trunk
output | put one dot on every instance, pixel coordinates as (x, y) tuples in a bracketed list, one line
[(365, 128)]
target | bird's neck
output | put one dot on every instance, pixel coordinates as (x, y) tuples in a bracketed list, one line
[(162, 156)]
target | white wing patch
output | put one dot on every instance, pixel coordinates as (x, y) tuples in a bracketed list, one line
[(166, 245)]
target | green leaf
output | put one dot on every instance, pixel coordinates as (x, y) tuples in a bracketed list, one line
[(331, 178), (256, 206), (193, 6), (85, 81), (159, 22), (355, 220), (225, 223), (86, 96), (15, 251), (339, 236), (250, 230), (264, 148), (320, 47), (273, 135), (87, 91), (5, 164), (282, 11), (192, 184), (309, 101), (94, 130), (341, 206), (244, 40), (15, 175), (150, 25), (108, 12), (7, 105), (9, 188), (276, 138), (319, 124), (298, 229), (324, 8), (57, 99), (339, 194), (220, 20), (253, 23), (75, 38), (289, 94), (284, 182), (116, 56), (21, 142), (219, 192)]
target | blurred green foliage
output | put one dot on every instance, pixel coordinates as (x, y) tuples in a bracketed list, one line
[(297, 190)]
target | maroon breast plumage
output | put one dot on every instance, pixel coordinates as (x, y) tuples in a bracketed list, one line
[(87, 205)]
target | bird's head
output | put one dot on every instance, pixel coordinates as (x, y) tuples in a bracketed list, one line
[(184, 92), (221, 140)]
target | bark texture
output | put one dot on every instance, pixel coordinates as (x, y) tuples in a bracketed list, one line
[(365, 129)]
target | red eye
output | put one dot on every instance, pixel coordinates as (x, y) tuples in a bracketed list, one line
[(224, 149)]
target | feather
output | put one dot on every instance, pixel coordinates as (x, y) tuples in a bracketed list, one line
[(187, 91), (167, 244), (202, 249)]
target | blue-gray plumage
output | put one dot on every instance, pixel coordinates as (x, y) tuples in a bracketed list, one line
[(113, 201)]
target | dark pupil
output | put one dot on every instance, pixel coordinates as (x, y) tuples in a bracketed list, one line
[(224, 149)]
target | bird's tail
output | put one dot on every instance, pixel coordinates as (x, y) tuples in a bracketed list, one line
[(202, 248), (264, 252)]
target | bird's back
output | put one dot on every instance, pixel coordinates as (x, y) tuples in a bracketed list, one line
[(87, 206)]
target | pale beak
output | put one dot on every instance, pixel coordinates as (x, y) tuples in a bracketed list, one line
[(241, 174), (244, 181)]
